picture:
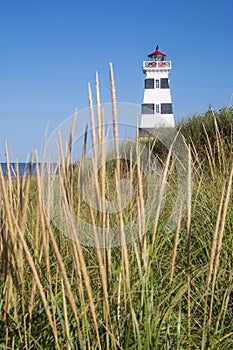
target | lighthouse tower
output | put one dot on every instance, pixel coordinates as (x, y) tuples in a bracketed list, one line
[(156, 109)]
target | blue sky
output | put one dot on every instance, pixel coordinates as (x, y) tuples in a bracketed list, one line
[(50, 50)]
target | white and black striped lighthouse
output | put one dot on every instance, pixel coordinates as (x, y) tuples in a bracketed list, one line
[(156, 109)]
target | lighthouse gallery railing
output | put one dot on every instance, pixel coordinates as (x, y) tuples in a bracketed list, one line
[(156, 64)]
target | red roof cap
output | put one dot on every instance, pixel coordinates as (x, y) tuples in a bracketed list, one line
[(157, 53)]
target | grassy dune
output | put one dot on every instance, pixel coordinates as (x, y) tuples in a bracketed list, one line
[(167, 290)]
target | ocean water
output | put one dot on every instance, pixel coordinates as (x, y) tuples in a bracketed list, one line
[(23, 168)]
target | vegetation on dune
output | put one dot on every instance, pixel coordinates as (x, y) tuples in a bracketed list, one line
[(167, 290)]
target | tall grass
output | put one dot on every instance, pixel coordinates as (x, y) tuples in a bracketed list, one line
[(166, 290)]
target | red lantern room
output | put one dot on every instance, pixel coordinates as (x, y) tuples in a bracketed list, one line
[(157, 55)]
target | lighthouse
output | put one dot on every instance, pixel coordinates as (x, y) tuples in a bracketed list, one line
[(156, 109)]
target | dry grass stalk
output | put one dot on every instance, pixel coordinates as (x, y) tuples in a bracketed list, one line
[(220, 239), (209, 152), (114, 116), (211, 266), (160, 198), (141, 204), (10, 241), (66, 321), (92, 121), (98, 107), (189, 207), (175, 245), (102, 272), (9, 177), (125, 259)]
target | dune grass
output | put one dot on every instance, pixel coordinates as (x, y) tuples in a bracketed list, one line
[(166, 290)]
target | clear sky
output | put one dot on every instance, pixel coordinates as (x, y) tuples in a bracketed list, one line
[(50, 50)]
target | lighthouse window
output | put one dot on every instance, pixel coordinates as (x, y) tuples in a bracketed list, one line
[(157, 108), (166, 108), (157, 83), (164, 83), (148, 108), (149, 84)]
